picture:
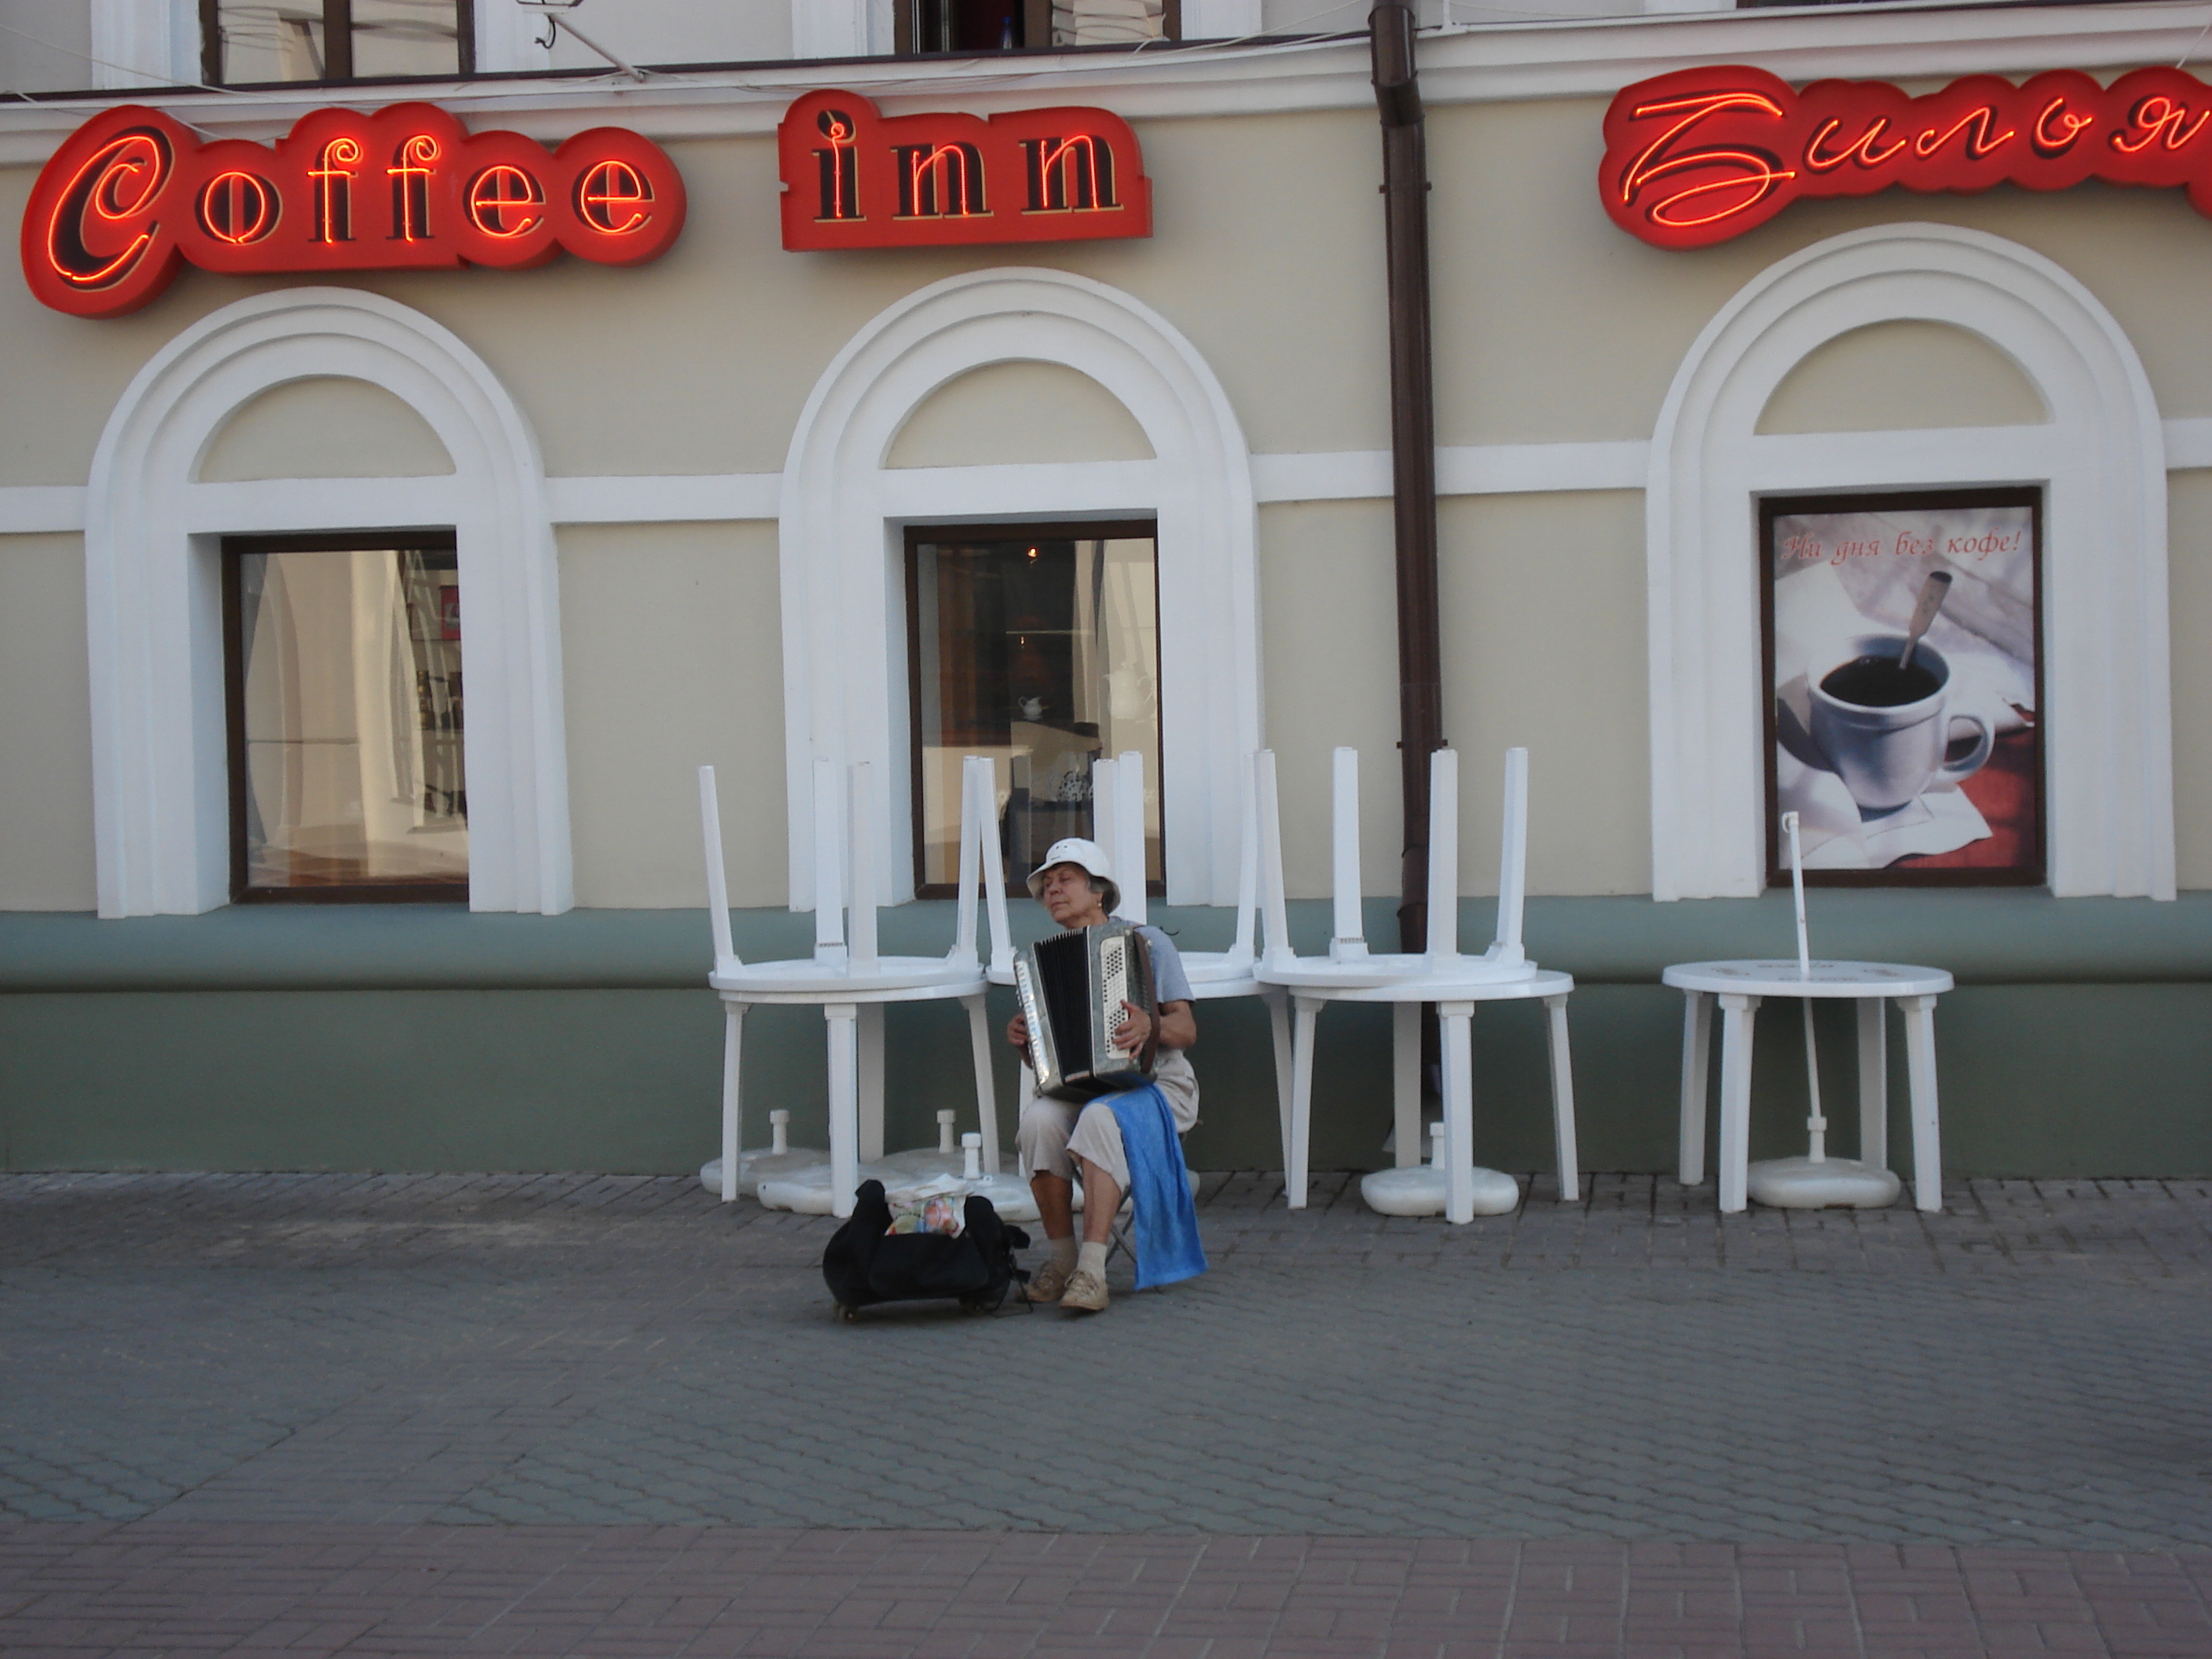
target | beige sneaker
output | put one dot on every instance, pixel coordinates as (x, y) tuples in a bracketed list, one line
[(1046, 1283), (1085, 1293)]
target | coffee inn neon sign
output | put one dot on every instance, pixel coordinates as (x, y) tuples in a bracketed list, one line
[(133, 195), (1700, 155), (853, 177)]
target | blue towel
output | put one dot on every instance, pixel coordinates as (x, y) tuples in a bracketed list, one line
[(1166, 1230)]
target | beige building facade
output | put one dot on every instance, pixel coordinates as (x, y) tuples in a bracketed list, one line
[(679, 491)]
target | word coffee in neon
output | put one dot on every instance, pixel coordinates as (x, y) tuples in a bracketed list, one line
[(133, 195)]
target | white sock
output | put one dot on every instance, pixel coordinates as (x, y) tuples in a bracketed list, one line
[(1091, 1259), (1063, 1251)]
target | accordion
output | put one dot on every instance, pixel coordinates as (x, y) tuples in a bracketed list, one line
[(1071, 988)]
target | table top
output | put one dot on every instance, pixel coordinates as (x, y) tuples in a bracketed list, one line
[(803, 982), (1546, 982), (1779, 977)]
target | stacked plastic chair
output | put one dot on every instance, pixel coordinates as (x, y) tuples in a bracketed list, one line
[(1439, 976), (846, 977)]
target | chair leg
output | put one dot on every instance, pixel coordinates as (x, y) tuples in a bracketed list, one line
[(841, 1019), (1920, 1064), (986, 1091), (1279, 1021), (1697, 1054), (1406, 1082), (733, 1048), (1302, 1069), (870, 1082), (1456, 1023), (1873, 1084), (1737, 1015), (1563, 1102)]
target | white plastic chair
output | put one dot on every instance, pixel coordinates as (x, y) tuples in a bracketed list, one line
[(1440, 975), (846, 977)]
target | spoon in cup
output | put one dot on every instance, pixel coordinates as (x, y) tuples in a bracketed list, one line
[(1933, 591)]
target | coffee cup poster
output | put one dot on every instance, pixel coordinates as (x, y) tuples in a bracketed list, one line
[(1905, 767)]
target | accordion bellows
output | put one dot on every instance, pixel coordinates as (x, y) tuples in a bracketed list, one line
[(1071, 988)]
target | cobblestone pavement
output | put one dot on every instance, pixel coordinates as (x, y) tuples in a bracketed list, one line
[(555, 1414)]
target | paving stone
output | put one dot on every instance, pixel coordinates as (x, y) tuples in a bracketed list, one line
[(393, 1414)]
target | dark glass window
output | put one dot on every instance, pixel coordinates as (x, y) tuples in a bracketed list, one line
[(249, 42), (1039, 647), (343, 681), (965, 25)]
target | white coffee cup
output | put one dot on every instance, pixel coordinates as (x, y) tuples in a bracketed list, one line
[(1888, 756)]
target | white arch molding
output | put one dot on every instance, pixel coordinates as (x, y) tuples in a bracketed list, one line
[(2100, 458), (159, 769), (843, 518)]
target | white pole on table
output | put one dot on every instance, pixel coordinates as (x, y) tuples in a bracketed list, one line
[(718, 882), (1443, 863), (862, 839), (1348, 936), (1270, 855), (1513, 861), (1247, 866), (1818, 1151), (1130, 836), (971, 859), (829, 856), (995, 867), (1105, 817)]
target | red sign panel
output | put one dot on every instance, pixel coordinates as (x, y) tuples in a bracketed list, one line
[(1695, 157), (853, 177), (132, 194)]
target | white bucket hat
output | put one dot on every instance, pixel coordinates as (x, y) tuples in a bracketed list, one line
[(1085, 855)]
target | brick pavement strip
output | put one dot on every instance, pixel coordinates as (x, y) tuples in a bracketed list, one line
[(604, 1415)]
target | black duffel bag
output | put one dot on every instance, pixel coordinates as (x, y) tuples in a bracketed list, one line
[(867, 1263)]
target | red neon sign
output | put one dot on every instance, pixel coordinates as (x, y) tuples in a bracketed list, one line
[(853, 177), (1695, 157), (132, 194)]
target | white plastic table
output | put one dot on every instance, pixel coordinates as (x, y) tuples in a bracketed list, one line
[(854, 1015), (1741, 985), (1455, 1003)]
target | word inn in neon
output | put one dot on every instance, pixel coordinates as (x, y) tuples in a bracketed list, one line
[(854, 178), (132, 196), (1702, 155)]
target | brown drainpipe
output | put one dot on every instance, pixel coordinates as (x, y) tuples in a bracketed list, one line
[(1413, 447)]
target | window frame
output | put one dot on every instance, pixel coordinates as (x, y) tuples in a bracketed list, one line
[(1036, 19), (337, 48), (425, 538), (1029, 530), (1875, 499)]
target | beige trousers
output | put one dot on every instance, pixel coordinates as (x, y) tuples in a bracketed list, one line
[(1054, 1133)]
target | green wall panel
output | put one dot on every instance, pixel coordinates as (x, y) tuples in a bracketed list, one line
[(2038, 1080)]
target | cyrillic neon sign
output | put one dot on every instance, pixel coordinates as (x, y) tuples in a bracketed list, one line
[(133, 195), (1700, 155), (853, 177)]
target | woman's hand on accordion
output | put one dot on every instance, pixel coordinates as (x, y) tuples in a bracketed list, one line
[(1017, 1031), (1136, 1029)]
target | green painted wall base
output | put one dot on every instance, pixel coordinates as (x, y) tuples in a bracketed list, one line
[(2079, 1041)]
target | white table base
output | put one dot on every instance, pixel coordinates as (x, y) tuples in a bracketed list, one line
[(855, 1033)]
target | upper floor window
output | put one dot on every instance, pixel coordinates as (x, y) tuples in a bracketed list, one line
[(343, 657), (962, 26), (247, 42)]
